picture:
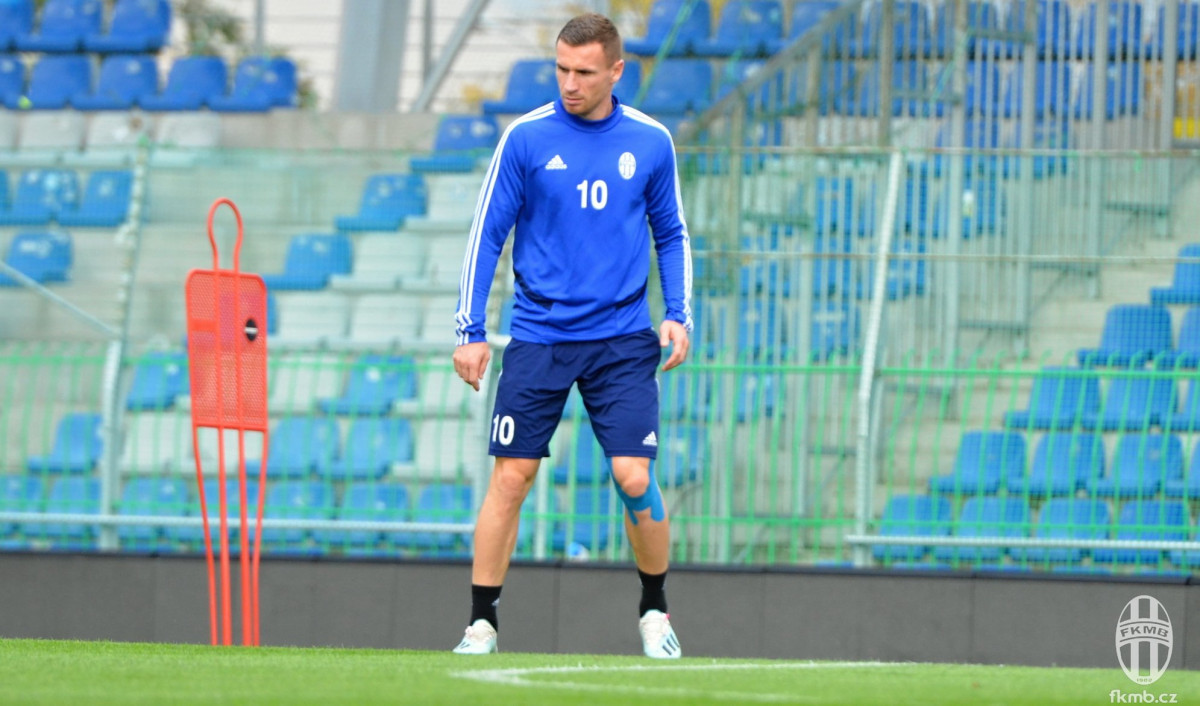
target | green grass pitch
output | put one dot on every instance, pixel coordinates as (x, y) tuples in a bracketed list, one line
[(92, 673)]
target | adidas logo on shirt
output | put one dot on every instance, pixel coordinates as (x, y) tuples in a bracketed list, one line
[(556, 163), (650, 440)]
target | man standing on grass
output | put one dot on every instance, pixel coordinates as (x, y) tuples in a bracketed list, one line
[(585, 180)]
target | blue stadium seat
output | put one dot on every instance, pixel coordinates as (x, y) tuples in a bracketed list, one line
[(461, 143), (1157, 520), (41, 195), (12, 77), (532, 83), (16, 19), (295, 500), (1063, 463), (74, 495), (105, 201), (1189, 486), (833, 81), (745, 28), (682, 22), (686, 394), (41, 256), (760, 333), (979, 134), (373, 446), (191, 82), (909, 80), (136, 26), (387, 199), (1052, 90), (1185, 284), (987, 214), (1123, 92), (1135, 401), (627, 87), (1142, 464), (367, 502), (1060, 399), (374, 384), (912, 515), (756, 395), (158, 380), (1124, 31), (678, 87), (681, 454), (150, 496), (1066, 518), (981, 17), (986, 517), (311, 259), (1187, 559), (76, 449), (1054, 26), (53, 81), (124, 80), (805, 16), (1134, 334), (19, 493), (836, 328), (591, 515), (259, 84), (194, 536), (299, 446), (63, 26), (1187, 417), (985, 461), (441, 503), (585, 461), (1047, 135), (1189, 21), (910, 29), (906, 272)]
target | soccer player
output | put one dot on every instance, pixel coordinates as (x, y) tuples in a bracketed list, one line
[(585, 180)]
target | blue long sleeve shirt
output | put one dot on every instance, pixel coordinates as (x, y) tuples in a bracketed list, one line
[(585, 197)]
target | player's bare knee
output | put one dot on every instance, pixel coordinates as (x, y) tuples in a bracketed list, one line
[(634, 484)]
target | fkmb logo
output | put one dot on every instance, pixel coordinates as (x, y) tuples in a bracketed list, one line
[(1144, 639)]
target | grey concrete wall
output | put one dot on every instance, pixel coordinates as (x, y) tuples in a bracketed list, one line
[(571, 608)]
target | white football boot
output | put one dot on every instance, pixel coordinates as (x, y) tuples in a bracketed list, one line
[(658, 639), (479, 639)]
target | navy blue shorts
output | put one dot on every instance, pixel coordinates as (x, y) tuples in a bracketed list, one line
[(616, 379)]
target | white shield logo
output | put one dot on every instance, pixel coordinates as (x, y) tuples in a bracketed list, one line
[(1144, 639), (627, 165)]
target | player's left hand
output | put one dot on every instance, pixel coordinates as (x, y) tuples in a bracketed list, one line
[(672, 333)]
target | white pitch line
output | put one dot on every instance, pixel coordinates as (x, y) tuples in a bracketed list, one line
[(518, 676)]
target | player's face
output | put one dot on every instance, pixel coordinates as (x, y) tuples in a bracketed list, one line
[(586, 79)]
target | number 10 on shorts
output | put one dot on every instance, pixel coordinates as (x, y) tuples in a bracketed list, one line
[(503, 429)]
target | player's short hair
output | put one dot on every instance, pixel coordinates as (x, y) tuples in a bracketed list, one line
[(592, 27)]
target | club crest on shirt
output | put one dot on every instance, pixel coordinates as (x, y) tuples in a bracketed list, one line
[(627, 165)]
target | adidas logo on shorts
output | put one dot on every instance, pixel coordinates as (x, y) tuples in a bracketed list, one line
[(650, 440)]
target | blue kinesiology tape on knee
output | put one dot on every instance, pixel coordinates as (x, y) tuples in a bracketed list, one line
[(651, 499)]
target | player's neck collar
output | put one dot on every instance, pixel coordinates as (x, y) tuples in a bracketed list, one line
[(601, 125)]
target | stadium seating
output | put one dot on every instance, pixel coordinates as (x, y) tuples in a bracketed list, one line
[(1187, 417), (385, 320), (1189, 486), (295, 500), (583, 460), (1066, 518), (124, 80), (682, 455), (1185, 284), (1142, 464), (12, 77), (981, 17), (1063, 464), (441, 503), (191, 82), (367, 502), (19, 493), (311, 260), (53, 82), (532, 83), (150, 496), (259, 84), (985, 460), (387, 199), (16, 19), (678, 87), (64, 25), (1123, 94), (42, 256), (193, 536), (383, 261), (985, 517), (1133, 334), (908, 79), (1047, 134), (627, 87), (745, 28), (1060, 399), (912, 515), (1165, 520), (310, 318), (910, 30), (836, 329), (462, 142), (158, 442), (756, 396), (592, 513), (1135, 401), (678, 23), (76, 449), (158, 380), (74, 495), (136, 26), (373, 385), (373, 447), (834, 79), (1189, 21), (1124, 31), (105, 203), (805, 16), (1052, 90), (299, 446), (41, 195)]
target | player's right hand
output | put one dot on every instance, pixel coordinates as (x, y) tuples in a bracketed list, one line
[(471, 361)]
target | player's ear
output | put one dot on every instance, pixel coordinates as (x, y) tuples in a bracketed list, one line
[(618, 68)]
